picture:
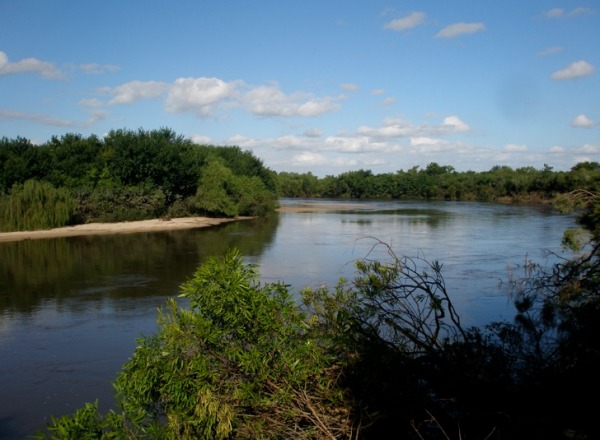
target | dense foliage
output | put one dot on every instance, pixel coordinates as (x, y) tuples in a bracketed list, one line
[(501, 183), (128, 175), (381, 356), (239, 362)]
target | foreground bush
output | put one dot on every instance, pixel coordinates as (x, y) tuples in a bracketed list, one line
[(239, 363)]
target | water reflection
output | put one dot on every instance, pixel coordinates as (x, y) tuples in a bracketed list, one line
[(127, 265)]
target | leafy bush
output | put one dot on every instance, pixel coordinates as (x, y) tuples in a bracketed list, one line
[(222, 193), (239, 362), (116, 204), (216, 194)]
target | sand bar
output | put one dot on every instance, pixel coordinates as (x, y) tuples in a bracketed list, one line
[(160, 225), (118, 228)]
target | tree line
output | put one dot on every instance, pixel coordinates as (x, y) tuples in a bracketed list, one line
[(500, 183), (136, 175), (127, 175)]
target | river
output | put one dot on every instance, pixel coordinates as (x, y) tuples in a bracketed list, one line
[(71, 309)]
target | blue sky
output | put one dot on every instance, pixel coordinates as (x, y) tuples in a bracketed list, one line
[(324, 86)]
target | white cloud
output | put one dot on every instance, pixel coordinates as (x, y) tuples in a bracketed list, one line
[(353, 144), (133, 91), (549, 51), (425, 147), (391, 127), (96, 116), (556, 149), (290, 142), (28, 65), (349, 87), (201, 139), (199, 95), (454, 125), (574, 70), (580, 11), (589, 149), (308, 159), (397, 127), (98, 68), (410, 21), (38, 118), (313, 133), (555, 12), (271, 101), (457, 29), (515, 148), (560, 12), (388, 101), (203, 95), (346, 162), (243, 141), (377, 92), (582, 121), (91, 102)]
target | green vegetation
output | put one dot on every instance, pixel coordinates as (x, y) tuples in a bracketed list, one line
[(500, 184), (36, 205), (127, 175), (241, 361), (381, 356), (136, 175)]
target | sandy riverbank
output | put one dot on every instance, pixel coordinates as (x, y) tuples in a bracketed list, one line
[(118, 228), (158, 225)]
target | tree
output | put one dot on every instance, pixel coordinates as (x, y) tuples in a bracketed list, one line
[(159, 158), (216, 192), (19, 161)]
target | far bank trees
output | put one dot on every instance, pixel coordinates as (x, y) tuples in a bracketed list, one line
[(437, 182)]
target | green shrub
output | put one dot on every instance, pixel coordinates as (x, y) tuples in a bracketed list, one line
[(238, 363), (117, 204), (216, 194), (35, 205)]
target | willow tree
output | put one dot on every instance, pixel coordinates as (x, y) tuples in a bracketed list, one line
[(35, 205)]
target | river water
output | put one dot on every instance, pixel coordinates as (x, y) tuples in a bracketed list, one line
[(71, 309)]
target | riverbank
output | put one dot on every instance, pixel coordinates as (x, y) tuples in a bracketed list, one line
[(174, 224), (156, 225)]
